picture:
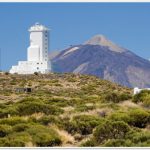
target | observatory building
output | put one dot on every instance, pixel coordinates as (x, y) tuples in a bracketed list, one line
[(37, 53)]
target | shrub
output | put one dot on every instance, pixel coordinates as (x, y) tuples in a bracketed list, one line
[(5, 130), (89, 88), (12, 121), (146, 102), (75, 102), (83, 124), (141, 137), (120, 116), (16, 140), (44, 136), (125, 96), (45, 120), (118, 143), (139, 118), (58, 102), (138, 137), (2, 106), (144, 144), (21, 127), (111, 130), (45, 139), (11, 110), (29, 108), (30, 99), (144, 97), (72, 80), (83, 108), (89, 143), (116, 97), (112, 97), (70, 126), (3, 141), (13, 82), (3, 114), (15, 143), (135, 117)]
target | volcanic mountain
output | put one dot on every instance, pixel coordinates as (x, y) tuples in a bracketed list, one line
[(102, 58)]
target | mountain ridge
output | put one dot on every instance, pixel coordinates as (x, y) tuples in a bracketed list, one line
[(102, 58)]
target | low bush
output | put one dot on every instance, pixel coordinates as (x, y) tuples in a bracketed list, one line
[(89, 88), (116, 97), (12, 121), (29, 108), (144, 97), (111, 130), (13, 82), (69, 126), (3, 141), (45, 120), (5, 130), (9, 110), (16, 140), (146, 102), (61, 102), (21, 127), (83, 108), (72, 80), (139, 137), (83, 124), (89, 143), (134, 117), (118, 143), (44, 136), (76, 102), (120, 116), (139, 118)]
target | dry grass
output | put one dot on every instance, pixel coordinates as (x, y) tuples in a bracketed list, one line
[(129, 104), (68, 139)]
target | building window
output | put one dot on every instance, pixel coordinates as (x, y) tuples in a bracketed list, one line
[(37, 68)]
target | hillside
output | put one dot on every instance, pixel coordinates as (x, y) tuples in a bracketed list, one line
[(71, 110), (100, 57)]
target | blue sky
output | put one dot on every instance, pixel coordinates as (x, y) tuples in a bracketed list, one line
[(127, 24)]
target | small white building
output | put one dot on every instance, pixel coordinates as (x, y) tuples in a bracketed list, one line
[(37, 53), (137, 90)]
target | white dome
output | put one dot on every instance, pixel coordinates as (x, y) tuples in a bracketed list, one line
[(38, 27)]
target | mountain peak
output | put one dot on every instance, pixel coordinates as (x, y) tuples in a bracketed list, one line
[(97, 40), (99, 37), (103, 41)]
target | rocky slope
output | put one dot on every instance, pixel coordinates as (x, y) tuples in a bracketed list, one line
[(102, 58)]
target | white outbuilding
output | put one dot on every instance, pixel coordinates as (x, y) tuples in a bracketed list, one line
[(137, 90), (37, 52)]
